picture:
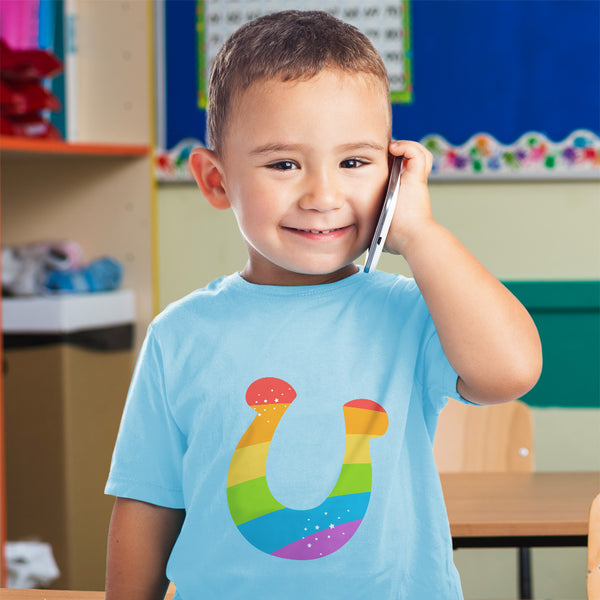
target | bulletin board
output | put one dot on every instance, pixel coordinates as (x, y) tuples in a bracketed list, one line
[(494, 88)]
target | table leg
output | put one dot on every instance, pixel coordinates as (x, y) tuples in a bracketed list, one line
[(525, 592)]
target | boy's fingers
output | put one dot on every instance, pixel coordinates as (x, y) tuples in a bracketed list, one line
[(418, 159)]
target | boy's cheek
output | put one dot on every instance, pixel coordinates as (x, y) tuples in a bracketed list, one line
[(371, 225)]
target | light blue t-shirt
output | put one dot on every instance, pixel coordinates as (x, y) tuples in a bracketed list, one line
[(295, 426)]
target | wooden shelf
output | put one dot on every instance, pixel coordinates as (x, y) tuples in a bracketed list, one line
[(26, 146), (98, 191)]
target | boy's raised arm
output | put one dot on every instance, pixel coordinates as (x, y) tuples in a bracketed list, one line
[(140, 540), (486, 333)]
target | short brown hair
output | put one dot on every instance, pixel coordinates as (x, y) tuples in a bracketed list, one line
[(289, 45)]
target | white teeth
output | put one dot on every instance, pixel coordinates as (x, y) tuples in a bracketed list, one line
[(315, 231)]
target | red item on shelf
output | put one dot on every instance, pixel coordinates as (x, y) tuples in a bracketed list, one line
[(21, 97), (11, 101), (31, 125), (27, 64)]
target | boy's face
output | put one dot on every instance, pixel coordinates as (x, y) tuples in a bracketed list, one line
[(304, 167)]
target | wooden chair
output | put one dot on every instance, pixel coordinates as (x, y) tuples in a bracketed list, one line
[(593, 557), (486, 439)]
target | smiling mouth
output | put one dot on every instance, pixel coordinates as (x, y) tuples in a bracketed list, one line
[(317, 231)]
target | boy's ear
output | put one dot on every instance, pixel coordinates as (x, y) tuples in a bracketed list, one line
[(206, 168)]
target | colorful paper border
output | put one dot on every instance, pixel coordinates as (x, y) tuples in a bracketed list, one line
[(533, 155), (482, 157)]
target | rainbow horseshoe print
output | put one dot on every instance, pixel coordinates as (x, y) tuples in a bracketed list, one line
[(300, 534)]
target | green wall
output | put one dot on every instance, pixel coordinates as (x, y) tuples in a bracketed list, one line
[(567, 315)]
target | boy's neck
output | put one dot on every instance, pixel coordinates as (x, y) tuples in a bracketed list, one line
[(290, 278)]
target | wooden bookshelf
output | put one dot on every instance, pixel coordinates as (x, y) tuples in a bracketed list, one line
[(97, 190)]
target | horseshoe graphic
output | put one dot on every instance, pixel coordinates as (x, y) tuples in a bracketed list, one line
[(300, 534)]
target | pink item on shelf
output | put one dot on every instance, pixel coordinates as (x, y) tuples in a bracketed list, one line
[(19, 26)]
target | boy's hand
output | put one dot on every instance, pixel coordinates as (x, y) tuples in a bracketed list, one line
[(486, 334), (413, 210)]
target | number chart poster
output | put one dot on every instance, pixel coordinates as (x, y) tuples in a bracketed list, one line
[(494, 88), (385, 23)]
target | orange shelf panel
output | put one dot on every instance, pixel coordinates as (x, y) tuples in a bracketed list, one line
[(49, 146)]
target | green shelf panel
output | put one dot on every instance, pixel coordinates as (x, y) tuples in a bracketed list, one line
[(567, 315)]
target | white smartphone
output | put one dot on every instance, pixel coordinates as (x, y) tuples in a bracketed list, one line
[(387, 213)]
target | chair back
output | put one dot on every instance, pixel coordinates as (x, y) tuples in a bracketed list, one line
[(495, 438), (593, 557)]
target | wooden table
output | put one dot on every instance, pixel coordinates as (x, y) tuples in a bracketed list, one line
[(519, 509)]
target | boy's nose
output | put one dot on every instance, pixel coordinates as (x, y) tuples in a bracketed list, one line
[(321, 193)]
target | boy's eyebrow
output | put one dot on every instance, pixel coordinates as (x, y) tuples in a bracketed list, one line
[(361, 146), (351, 146), (267, 148)]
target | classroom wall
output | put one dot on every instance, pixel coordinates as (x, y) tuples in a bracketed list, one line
[(520, 231)]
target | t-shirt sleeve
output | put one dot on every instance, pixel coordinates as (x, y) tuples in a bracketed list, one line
[(435, 373), (148, 455)]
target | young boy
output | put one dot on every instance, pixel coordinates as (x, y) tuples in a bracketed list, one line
[(277, 437)]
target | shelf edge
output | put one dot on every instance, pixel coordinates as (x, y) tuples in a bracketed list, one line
[(18, 145)]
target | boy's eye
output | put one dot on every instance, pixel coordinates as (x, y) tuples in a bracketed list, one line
[(352, 163), (283, 165)]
